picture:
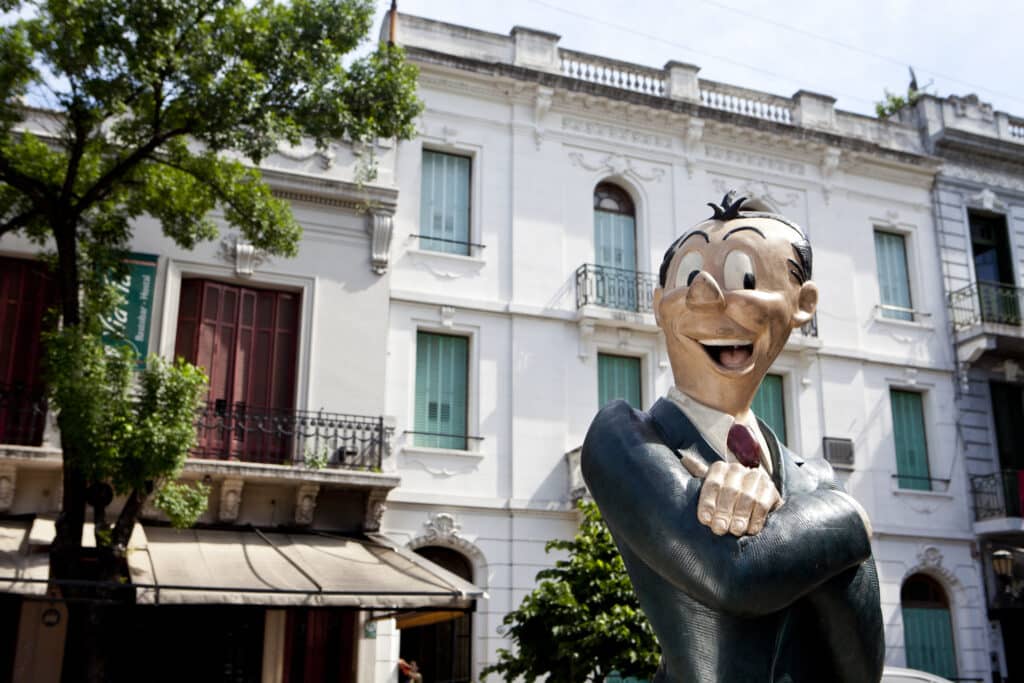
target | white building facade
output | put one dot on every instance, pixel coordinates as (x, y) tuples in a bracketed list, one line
[(534, 210)]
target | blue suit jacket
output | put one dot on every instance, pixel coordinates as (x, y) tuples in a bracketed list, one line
[(796, 603)]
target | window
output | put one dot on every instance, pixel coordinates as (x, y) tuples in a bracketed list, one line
[(893, 282), (769, 405), (927, 627), (618, 377), (246, 340), (442, 368), (26, 291), (615, 248), (444, 203), (993, 268), (908, 434)]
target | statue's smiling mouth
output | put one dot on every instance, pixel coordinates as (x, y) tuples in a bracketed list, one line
[(730, 354)]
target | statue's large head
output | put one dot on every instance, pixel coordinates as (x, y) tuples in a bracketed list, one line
[(731, 290)]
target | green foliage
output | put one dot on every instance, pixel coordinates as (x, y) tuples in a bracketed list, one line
[(892, 102), (132, 432), (182, 503), (583, 620), (164, 109)]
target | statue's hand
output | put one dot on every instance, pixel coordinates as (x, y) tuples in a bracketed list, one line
[(736, 499)]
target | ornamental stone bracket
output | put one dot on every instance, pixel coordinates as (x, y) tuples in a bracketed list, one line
[(829, 166), (441, 525), (230, 500), (987, 200), (375, 509), (243, 255), (380, 225), (305, 503), (541, 106), (8, 484)]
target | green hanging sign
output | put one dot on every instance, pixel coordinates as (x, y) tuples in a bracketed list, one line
[(130, 321)]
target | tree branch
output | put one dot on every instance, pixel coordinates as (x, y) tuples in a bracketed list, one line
[(19, 221)]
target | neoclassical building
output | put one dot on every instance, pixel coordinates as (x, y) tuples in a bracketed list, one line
[(534, 209)]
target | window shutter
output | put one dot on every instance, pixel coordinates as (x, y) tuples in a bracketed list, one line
[(444, 202), (441, 388), (909, 436), (769, 405), (893, 282), (928, 638), (618, 377)]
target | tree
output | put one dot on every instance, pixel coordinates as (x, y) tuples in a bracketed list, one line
[(162, 108), (583, 621)]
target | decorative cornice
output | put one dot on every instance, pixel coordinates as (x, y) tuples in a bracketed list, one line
[(616, 165)]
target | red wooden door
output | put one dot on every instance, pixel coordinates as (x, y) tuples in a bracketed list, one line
[(26, 291), (245, 339)]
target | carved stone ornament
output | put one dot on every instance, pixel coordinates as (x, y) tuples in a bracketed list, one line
[(442, 525), (244, 256), (375, 509), (8, 483), (586, 337), (303, 153), (380, 225), (447, 316), (987, 199), (616, 164), (755, 189), (230, 500), (541, 106), (930, 556), (305, 503)]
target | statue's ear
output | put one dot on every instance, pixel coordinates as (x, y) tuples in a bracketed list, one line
[(658, 292), (806, 304)]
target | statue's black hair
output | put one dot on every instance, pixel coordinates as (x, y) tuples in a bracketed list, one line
[(731, 209)]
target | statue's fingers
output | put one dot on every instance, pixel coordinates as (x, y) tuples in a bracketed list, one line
[(766, 501), (745, 500), (708, 501), (694, 464), (727, 499)]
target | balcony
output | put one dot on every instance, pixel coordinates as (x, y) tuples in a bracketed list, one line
[(997, 501), (616, 288), (298, 437), (605, 294), (986, 318)]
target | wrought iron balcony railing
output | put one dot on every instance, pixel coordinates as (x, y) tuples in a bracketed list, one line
[(998, 495), (985, 302), (619, 288), (22, 415), (296, 437), (630, 290)]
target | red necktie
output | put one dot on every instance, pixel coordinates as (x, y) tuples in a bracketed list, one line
[(743, 445)]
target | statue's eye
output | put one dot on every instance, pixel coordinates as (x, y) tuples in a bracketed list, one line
[(739, 271), (689, 266)]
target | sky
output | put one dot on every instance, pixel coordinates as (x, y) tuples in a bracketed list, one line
[(852, 51)]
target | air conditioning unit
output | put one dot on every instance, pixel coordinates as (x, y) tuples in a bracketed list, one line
[(839, 452)]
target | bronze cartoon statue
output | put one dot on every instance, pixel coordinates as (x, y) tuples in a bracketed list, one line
[(750, 562)]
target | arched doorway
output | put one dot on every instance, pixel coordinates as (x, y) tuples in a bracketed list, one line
[(443, 651), (927, 626)]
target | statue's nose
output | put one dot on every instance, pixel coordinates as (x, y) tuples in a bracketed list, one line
[(704, 293)]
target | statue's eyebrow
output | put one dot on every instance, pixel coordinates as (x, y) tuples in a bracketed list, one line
[(691, 234), (744, 227)]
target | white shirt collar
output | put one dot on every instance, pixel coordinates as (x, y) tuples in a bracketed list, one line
[(714, 426)]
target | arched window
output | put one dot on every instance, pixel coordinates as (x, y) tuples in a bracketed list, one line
[(927, 627), (615, 246), (443, 650)]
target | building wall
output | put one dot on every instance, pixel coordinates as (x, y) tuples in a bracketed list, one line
[(539, 145)]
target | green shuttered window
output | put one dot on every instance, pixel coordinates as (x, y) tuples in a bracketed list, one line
[(927, 627), (444, 203), (441, 389), (618, 377), (893, 282), (909, 436), (769, 405)]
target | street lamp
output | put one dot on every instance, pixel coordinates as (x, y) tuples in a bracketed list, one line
[(1002, 564)]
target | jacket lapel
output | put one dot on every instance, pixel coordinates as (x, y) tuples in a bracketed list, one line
[(678, 432)]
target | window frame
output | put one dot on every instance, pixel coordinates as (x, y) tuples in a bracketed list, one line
[(418, 440), (927, 480), (424, 241), (893, 311)]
